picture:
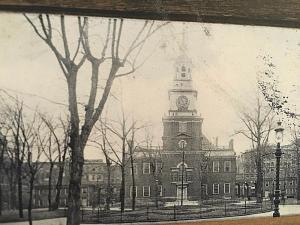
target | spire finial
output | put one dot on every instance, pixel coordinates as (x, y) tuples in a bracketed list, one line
[(183, 46)]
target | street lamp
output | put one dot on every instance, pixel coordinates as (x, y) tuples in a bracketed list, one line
[(279, 136), (182, 144), (247, 191)]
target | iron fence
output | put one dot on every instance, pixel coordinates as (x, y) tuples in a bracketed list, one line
[(209, 209)]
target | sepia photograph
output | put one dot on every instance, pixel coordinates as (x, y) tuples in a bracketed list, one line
[(149, 115)]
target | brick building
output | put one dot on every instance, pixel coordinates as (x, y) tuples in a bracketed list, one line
[(246, 172), (188, 166), (93, 184)]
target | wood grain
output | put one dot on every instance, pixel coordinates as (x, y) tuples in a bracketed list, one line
[(280, 13)]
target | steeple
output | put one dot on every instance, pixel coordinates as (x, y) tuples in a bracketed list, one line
[(182, 121), (182, 95), (183, 64)]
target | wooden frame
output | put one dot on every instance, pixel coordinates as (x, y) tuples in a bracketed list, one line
[(280, 13)]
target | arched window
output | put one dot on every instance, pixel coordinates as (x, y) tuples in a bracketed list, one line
[(183, 71)]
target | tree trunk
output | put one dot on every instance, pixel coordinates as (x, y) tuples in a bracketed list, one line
[(108, 187), (50, 186), (30, 199), (298, 170), (133, 181), (74, 201), (259, 180), (156, 194), (59, 181), (20, 189), (122, 189), (1, 200), (12, 190), (58, 188)]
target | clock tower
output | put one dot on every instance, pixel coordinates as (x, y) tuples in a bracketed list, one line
[(182, 121)]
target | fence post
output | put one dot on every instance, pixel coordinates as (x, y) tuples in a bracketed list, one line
[(245, 206), (174, 212), (98, 214), (261, 205), (121, 216), (82, 214), (225, 206), (147, 212), (200, 210)]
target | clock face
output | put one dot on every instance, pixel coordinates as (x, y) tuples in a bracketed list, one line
[(182, 103)]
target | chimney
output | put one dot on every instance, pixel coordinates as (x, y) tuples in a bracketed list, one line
[(217, 140), (231, 144)]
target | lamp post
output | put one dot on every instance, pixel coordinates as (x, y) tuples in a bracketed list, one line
[(182, 144), (247, 191), (279, 135)]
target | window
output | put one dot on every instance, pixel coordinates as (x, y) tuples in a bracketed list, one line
[(158, 167), (227, 166), (183, 70), (182, 127), (146, 191), (204, 188), (174, 176), (160, 190), (100, 177), (146, 168), (216, 188), (84, 190), (133, 190), (135, 168), (189, 176), (227, 188), (216, 166)]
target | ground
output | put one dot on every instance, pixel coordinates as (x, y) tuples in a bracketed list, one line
[(290, 215)]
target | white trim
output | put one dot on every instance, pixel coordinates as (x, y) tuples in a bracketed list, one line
[(218, 170), (130, 191), (229, 166), (144, 167), (228, 188), (216, 193), (205, 185), (149, 189), (161, 190), (135, 169)]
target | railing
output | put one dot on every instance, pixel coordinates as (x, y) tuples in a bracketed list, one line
[(207, 209)]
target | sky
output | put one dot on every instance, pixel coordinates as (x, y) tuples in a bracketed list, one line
[(226, 62)]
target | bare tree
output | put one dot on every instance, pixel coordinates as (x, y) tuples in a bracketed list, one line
[(257, 127), (3, 146), (268, 83), (35, 143), (56, 155), (51, 156), (101, 128), (70, 65), (119, 139), (14, 123), (153, 155)]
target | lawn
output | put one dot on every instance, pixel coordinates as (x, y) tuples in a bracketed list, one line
[(284, 220)]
